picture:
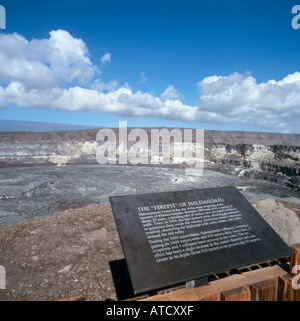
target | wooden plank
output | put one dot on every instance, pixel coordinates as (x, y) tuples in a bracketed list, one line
[(239, 294), (286, 291), (295, 259), (213, 290), (283, 287), (294, 294), (213, 296), (264, 290), (186, 294)]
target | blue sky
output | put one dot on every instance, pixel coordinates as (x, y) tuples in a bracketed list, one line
[(227, 65)]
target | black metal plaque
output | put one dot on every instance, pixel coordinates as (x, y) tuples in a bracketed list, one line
[(173, 237)]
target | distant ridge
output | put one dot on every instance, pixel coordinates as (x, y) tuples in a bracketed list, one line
[(32, 126), (210, 136), (251, 138)]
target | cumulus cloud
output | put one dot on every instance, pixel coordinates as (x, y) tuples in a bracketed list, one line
[(170, 93), (106, 58), (239, 98), (122, 101), (56, 61), (50, 73)]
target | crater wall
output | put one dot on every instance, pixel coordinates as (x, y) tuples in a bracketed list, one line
[(274, 157)]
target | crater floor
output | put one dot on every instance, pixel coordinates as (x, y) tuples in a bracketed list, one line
[(33, 191)]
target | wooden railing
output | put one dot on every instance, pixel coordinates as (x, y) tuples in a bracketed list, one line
[(272, 283)]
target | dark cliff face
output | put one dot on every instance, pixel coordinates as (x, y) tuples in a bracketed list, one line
[(274, 157), (279, 164)]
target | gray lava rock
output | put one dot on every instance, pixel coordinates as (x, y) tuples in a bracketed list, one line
[(283, 220)]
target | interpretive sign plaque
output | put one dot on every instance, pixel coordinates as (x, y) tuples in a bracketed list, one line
[(173, 237)]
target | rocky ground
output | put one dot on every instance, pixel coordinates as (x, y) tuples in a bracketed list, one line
[(77, 253), (61, 255)]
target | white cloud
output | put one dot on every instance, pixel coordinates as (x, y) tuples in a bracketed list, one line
[(56, 61), (47, 73), (121, 101), (170, 93), (238, 98), (106, 58), (272, 105), (101, 86), (142, 77)]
